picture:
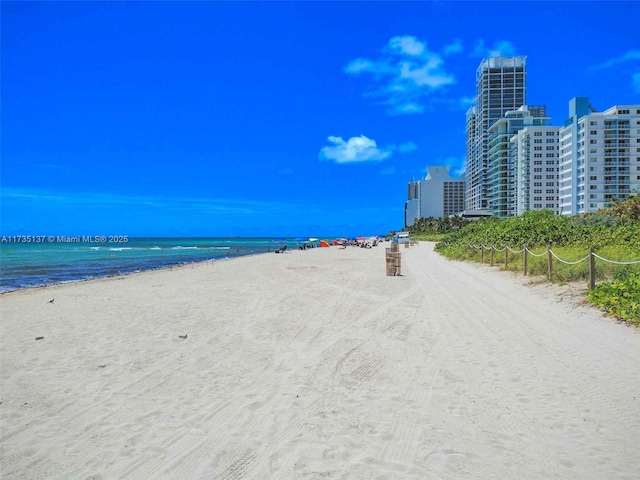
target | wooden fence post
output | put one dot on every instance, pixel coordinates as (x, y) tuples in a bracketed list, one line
[(524, 260), (592, 269), (481, 253), (506, 256), (549, 262), (491, 258)]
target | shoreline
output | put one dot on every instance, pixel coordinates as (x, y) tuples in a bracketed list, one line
[(124, 275), (52, 266)]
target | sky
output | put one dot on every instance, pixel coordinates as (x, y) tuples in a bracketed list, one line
[(269, 118)]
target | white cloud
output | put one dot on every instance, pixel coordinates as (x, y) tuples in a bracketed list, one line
[(455, 47), (501, 48), (406, 74), (406, 109), (98, 201), (631, 55), (355, 150), (422, 75), (361, 149), (407, 147), (360, 65), (466, 102), (407, 45)]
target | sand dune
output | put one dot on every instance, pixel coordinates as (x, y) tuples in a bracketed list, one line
[(314, 364)]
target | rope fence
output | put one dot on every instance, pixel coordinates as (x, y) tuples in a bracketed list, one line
[(590, 257), (566, 262), (633, 262)]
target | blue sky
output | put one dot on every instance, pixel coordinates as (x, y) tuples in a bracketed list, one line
[(269, 118)]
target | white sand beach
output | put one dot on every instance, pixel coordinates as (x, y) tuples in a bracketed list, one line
[(315, 364)]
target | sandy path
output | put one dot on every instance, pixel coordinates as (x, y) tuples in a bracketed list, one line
[(313, 365)]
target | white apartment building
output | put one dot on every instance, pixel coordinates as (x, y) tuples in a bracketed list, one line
[(500, 87), (534, 153), (599, 156), (438, 195), (501, 165)]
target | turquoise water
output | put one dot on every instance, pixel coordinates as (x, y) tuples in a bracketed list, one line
[(44, 261)]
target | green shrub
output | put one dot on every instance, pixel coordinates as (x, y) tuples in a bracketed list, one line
[(620, 298)]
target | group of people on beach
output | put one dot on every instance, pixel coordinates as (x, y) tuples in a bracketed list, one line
[(304, 246)]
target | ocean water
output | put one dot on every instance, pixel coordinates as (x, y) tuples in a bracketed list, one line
[(33, 262)]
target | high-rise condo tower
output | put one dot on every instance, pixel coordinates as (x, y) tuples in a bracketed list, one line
[(500, 87)]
